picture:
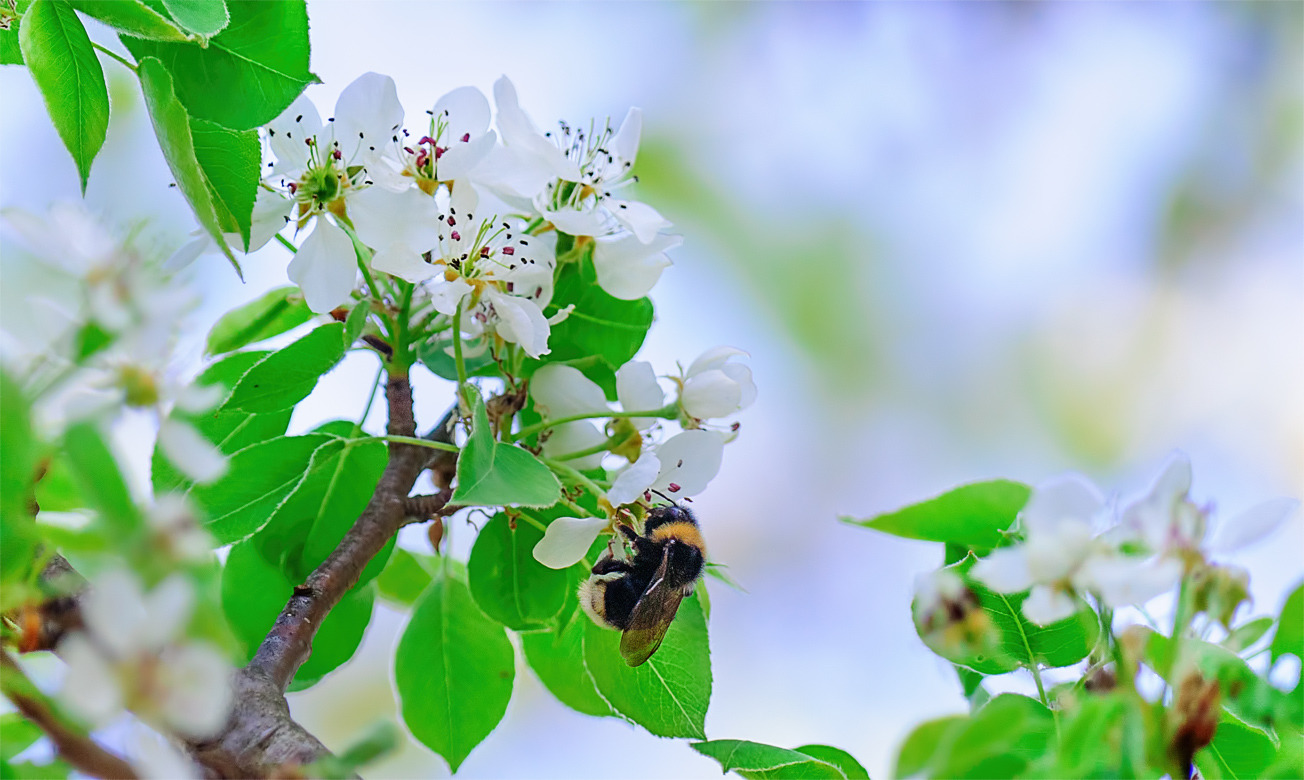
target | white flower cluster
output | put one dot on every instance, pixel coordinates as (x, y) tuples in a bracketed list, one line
[(715, 386), (133, 655), (1075, 543), (101, 333), (465, 211)]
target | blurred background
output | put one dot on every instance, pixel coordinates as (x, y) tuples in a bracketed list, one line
[(960, 241)]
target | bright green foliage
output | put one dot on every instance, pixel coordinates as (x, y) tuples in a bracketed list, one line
[(27, 770), (16, 735), (172, 126), (271, 314), (62, 62), (201, 17), (101, 483), (133, 18), (507, 582), (1102, 736), (1237, 751), (454, 671), (247, 74), (230, 160), (492, 473), (1021, 643), (755, 760), (11, 52), (18, 454), (434, 355), (258, 481), (288, 375), (669, 694), (228, 428), (1290, 627), (972, 516), (380, 740), (602, 333), (557, 657), (405, 577), (844, 761), (255, 590), (999, 740)]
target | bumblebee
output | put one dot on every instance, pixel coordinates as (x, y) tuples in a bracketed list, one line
[(638, 592)]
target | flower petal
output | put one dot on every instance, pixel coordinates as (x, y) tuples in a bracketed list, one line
[(689, 461), (637, 389), (382, 217), (445, 297), (1061, 498), (519, 132), (743, 376), (114, 611), (368, 113), (628, 268), (287, 135), (624, 146), (1252, 525), (90, 686), (462, 158), (520, 321), (573, 437), (466, 112), (715, 357), (195, 690), (567, 540), (711, 394), (401, 260), (1125, 581), (635, 480), (1045, 605), (324, 267), (168, 608), (1004, 570), (562, 391), (640, 219)]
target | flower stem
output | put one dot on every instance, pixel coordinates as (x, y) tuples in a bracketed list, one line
[(594, 450), (414, 441), (126, 63), (371, 398), (285, 242), (575, 476), (457, 352), (668, 412)]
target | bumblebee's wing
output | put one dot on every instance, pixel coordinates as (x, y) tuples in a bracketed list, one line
[(650, 618)]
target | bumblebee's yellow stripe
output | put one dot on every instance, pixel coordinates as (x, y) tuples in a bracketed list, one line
[(682, 532)]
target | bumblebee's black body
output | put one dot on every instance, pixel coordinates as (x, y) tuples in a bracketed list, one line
[(640, 594)]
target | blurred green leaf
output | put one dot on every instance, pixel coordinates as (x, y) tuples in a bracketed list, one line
[(18, 453), (16, 735), (756, 760), (999, 740), (61, 60), (1237, 751), (247, 74), (201, 17), (507, 582), (972, 516), (229, 429), (844, 761), (100, 481), (173, 127), (380, 740), (490, 473), (258, 481), (1289, 763), (454, 670), (131, 17), (405, 577), (922, 744), (669, 694), (288, 375), (272, 314), (1289, 638), (1247, 634)]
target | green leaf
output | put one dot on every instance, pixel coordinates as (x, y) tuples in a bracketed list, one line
[(922, 744), (101, 483), (971, 516), (62, 62), (247, 74), (1289, 638), (274, 313), (507, 582), (18, 453), (454, 670), (173, 127), (131, 17), (16, 735), (1289, 763), (336, 488), (201, 17), (229, 429), (557, 657), (669, 694), (1000, 740), (1246, 634), (434, 355), (356, 323), (230, 161), (405, 577), (490, 473), (844, 761), (255, 590), (1019, 641), (11, 53), (756, 760), (258, 481), (602, 333), (1237, 751), (288, 375)]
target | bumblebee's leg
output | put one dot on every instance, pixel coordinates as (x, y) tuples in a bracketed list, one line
[(608, 565), (627, 531)]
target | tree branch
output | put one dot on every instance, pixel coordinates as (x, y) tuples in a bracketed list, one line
[(78, 749)]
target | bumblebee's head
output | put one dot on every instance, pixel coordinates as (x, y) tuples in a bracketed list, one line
[(664, 515)]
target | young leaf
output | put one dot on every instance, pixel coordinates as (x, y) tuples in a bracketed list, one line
[(921, 745), (971, 516), (248, 73), (756, 760), (172, 126), (844, 761), (59, 54), (254, 591), (288, 375), (557, 657), (405, 577), (230, 430), (507, 582), (669, 694), (1289, 638), (201, 17), (274, 313), (1237, 751), (131, 17), (259, 479), (1020, 641), (355, 323), (230, 162), (454, 670), (490, 473)]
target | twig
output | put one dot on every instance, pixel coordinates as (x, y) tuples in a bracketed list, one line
[(84, 753)]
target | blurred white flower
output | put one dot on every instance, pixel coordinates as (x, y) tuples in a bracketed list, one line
[(190, 452), (271, 213), (714, 386), (156, 759), (177, 530)]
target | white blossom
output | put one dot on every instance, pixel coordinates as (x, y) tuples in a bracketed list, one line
[(567, 539), (637, 389), (716, 386), (563, 391)]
